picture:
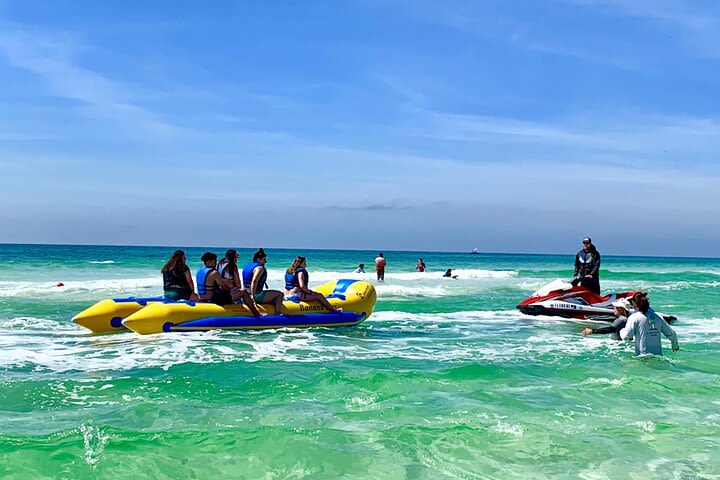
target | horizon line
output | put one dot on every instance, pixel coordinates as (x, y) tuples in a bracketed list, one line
[(176, 247)]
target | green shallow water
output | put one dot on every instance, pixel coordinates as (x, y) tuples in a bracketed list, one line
[(445, 380)]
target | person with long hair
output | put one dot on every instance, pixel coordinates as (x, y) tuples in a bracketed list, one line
[(420, 267), (296, 285), (228, 270), (177, 279), (645, 327), (254, 277)]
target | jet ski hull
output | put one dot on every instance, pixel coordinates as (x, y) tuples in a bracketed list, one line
[(559, 299)]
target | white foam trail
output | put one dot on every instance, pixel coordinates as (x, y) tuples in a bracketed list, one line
[(123, 286), (35, 324), (102, 262), (705, 330), (481, 336), (320, 276), (461, 317), (612, 382), (108, 287), (516, 430)]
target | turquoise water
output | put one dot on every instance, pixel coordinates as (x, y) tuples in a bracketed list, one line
[(445, 380)]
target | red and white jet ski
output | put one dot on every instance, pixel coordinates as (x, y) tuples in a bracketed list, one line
[(561, 299)]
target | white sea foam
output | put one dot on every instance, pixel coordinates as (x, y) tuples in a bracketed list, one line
[(646, 426), (361, 402), (469, 316), (122, 286), (704, 330), (479, 336), (398, 284), (325, 276), (612, 382), (94, 441), (503, 427), (102, 262), (122, 351), (34, 324)]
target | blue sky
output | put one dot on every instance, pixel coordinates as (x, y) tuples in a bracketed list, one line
[(506, 126)]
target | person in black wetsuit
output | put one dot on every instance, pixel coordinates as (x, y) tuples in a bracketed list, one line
[(177, 279), (622, 312), (587, 267), (448, 274)]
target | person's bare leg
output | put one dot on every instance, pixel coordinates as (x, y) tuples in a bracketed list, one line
[(323, 301), (278, 300), (235, 295), (248, 301)]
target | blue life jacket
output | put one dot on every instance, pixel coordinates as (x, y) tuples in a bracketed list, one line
[(292, 280), (247, 274), (201, 277)]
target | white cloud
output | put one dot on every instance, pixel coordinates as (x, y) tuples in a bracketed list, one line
[(54, 57)]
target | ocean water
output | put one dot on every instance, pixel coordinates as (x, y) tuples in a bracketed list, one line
[(445, 380)]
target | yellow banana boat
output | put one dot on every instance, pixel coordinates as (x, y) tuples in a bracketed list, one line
[(107, 315), (356, 298)]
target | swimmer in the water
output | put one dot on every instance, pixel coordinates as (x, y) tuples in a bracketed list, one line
[(448, 274)]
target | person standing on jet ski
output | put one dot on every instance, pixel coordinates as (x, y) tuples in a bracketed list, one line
[(587, 267)]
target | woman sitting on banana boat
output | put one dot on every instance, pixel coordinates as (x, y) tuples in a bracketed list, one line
[(296, 285)]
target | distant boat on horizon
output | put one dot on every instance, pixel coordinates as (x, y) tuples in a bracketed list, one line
[(475, 251)]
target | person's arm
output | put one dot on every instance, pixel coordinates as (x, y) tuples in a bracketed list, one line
[(236, 278), (577, 265), (257, 272), (191, 284), (628, 332), (596, 265), (302, 280), (221, 282), (669, 334), (604, 330)]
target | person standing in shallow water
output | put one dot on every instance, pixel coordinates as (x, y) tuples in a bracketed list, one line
[(645, 327), (587, 267), (622, 312), (420, 267), (380, 264)]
